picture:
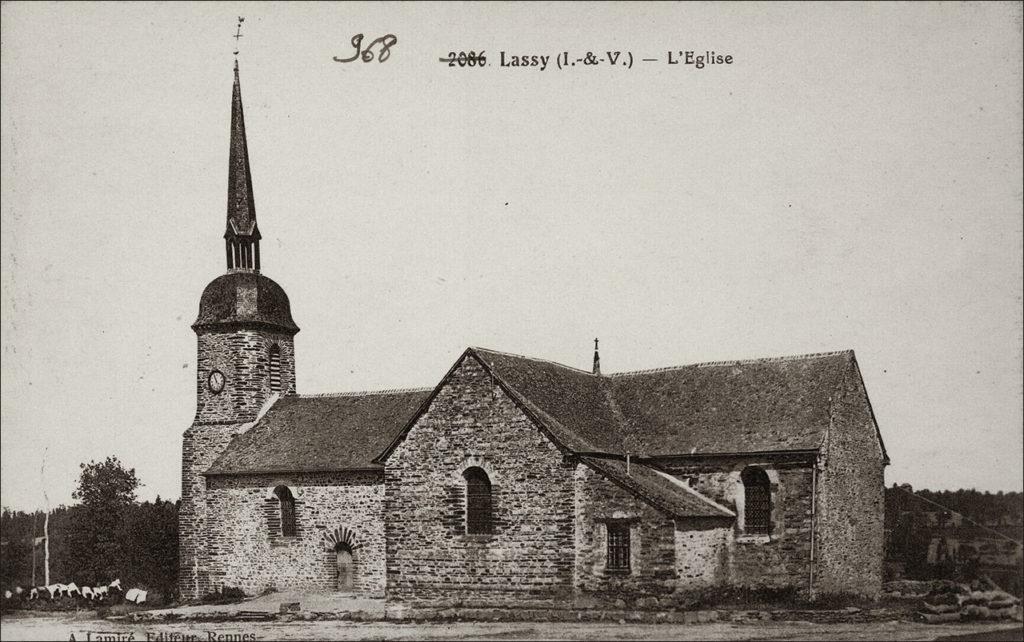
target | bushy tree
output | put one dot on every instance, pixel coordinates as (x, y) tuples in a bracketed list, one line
[(106, 484), (150, 553), (106, 491)]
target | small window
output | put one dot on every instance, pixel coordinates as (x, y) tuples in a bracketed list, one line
[(757, 501), (618, 546), (287, 501), (275, 367), (478, 502)]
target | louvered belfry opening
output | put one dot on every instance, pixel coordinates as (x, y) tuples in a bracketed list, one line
[(274, 367), (479, 520), (757, 496), (287, 502), (242, 254), (618, 546)]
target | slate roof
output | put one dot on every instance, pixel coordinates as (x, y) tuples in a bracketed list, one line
[(573, 404), (245, 297), (321, 433), (241, 219), (731, 407), (721, 407), (658, 489)]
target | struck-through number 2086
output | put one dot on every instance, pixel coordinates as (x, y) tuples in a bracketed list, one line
[(465, 59)]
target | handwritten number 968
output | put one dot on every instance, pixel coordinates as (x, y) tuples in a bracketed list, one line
[(366, 55), (463, 59)]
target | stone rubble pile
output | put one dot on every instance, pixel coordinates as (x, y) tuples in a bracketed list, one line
[(952, 602)]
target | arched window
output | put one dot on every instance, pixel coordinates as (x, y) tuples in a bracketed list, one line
[(757, 501), (478, 502), (287, 501), (275, 367)]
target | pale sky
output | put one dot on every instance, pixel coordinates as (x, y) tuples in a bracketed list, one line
[(851, 181)]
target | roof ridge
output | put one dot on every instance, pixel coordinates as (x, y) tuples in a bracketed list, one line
[(734, 362), (523, 356), (620, 417), (360, 393)]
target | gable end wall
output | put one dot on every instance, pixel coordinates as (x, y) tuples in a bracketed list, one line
[(850, 520), (430, 559)]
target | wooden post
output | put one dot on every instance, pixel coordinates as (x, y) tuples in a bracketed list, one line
[(46, 544), (46, 524)]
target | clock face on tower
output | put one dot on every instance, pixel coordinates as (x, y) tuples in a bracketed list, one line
[(215, 382)]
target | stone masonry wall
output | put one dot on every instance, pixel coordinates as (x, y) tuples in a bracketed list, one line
[(784, 557), (243, 356), (248, 551), (703, 550), (652, 572), (201, 445), (430, 559), (667, 557), (851, 501)]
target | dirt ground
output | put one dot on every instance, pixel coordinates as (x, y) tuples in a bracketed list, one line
[(85, 626)]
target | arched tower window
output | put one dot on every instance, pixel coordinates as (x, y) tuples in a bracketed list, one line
[(275, 367), (287, 502), (478, 502), (757, 501)]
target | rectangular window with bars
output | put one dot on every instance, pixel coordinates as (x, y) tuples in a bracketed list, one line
[(618, 546)]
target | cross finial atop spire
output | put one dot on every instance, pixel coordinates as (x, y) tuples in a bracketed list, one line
[(597, 359), (238, 34)]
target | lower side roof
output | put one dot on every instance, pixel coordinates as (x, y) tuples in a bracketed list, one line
[(659, 489), (320, 433)]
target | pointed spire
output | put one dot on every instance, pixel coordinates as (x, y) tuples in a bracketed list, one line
[(597, 359), (242, 236)]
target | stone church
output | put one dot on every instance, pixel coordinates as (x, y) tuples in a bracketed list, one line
[(515, 480)]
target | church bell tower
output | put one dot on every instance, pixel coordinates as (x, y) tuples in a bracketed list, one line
[(245, 328), (246, 355)]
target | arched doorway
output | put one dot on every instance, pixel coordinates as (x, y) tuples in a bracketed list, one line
[(346, 569)]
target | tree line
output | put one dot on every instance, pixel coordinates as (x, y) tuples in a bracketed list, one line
[(986, 508), (108, 534)]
